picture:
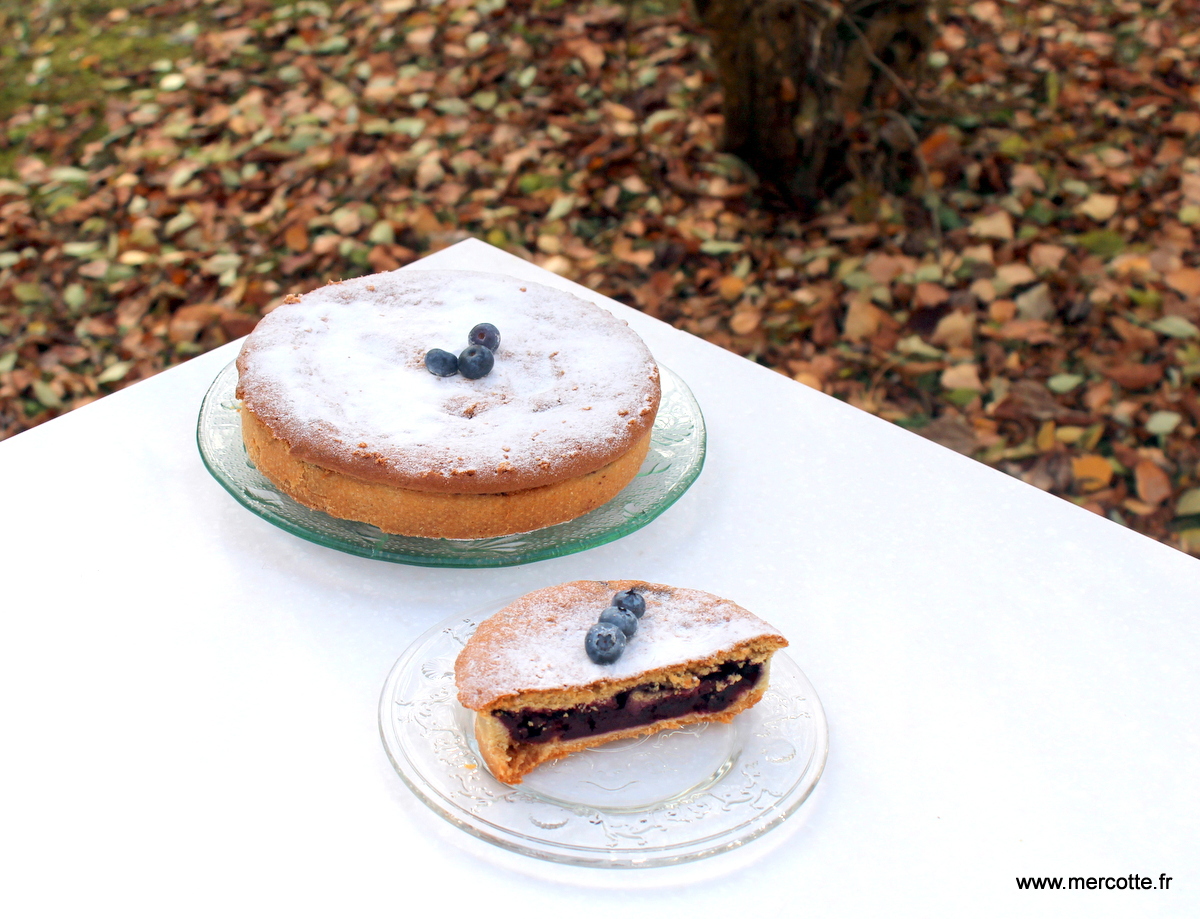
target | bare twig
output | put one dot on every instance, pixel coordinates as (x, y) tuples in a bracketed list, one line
[(884, 68), (930, 190)]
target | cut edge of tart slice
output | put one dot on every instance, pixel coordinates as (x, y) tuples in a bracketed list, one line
[(537, 696)]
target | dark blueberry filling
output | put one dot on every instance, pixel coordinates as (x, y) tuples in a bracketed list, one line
[(641, 705)]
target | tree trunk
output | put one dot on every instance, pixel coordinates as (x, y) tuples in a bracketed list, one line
[(811, 87)]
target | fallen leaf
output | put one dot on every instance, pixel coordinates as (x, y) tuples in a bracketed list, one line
[(1185, 123), (1104, 243), (189, 321), (346, 220), (1035, 303), (1047, 436), (1062, 383), (1131, 264), (1141, 339), (1189, 503), (1026, 177), (326, 243), (939, 147), (1163, 423), (929, 294), (1015, 274), (1098, 207), (1046, 255), (559, 264), (1141, 508), (883, 269), (421, 38), (745, 321), (587, 51), (982, 254), (808, 379), (1135, 376), (914, 345), (623, 249), (997, 225), (955, 330), (984, 290), (730, 287), (562, 206), (1030, 399), (621, 113), (961, 376), (1091, 472), (862, 320), (953, 432), (1185, 280), (115, 372), (1034, 331), (296, 237), (1175, 327), (430, 171), (1153, 485)]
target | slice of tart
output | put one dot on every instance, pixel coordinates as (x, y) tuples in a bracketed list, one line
[(529, 675)]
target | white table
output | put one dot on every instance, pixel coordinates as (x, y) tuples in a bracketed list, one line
[(190, 694)]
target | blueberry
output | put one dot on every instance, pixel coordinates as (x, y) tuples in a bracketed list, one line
[(622, 619), (604, 643), (485, 334), (441, 363), (475, 362), (630, 601)]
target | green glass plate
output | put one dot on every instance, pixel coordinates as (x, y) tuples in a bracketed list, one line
[(676, 457)]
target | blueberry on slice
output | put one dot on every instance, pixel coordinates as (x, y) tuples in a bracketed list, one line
[(485, 334), (622, 619), (475, 362), (630, 601), (604, 643), (441, 363)]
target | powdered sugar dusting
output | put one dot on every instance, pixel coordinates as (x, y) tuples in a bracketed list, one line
[(537, 642), (340, 374)]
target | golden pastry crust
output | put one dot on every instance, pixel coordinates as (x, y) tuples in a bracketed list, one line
[(338, 375), (435, 514), (530, 657)]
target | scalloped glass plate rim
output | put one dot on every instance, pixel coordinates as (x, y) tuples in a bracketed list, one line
[(554, 542), (526, 843)]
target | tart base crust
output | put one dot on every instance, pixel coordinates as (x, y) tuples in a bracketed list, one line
[(361, 344), (406, 512)]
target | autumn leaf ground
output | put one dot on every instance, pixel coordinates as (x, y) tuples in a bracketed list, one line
[(170, 171)]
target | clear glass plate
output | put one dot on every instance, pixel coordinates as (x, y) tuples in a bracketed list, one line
[(675, 459), (665, 799)]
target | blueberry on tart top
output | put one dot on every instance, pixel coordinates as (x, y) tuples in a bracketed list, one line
[(544, 680)]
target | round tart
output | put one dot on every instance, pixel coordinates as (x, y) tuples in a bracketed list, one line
[(341, 413), (537, 696)]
